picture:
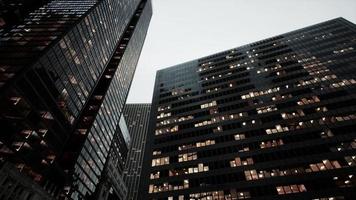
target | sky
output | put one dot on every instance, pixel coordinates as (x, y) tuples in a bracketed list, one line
[(183, 30)]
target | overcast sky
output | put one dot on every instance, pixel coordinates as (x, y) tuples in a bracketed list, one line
[(183, 30)]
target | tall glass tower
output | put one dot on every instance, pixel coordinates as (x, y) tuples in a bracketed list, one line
[(274, 119), (137, 117), (65, 73)]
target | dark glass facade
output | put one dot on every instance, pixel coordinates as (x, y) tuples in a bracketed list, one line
[(65, 73), (275, 119), (112, 185), (137, 118), (13, 185), (13, 12)]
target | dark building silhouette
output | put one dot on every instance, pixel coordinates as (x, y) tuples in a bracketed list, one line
[(137, 118), (65, 73), (274, 119)]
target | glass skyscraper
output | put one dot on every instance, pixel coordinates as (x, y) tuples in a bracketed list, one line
[(274, 119), (65, 73), (137, 118), (13, 12)]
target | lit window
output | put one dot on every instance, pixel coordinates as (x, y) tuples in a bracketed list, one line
[(243, 195), (239, 136), (197, 144), (260, 93), (251, 175), (271, 143), (155, 175), (351, 160), (163, 115), (220, 195), (47, 115), (207, 105), (239, 162), (218, 129), (298, 113), (191, 170), (156, 153), (288, 189), (324, 165), (166, 130), (266, 109), (187, 157), (277, 129), (160, 161), (326, 134), (343, 50), (305, 101), (163, 108)]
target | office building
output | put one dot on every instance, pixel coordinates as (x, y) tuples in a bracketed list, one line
[(274, 119), (137, 118), (13, 12), (65, 73)]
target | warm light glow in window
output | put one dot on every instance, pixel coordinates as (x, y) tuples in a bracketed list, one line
[(278, 129), (196, 145), (207, 105), (305, 101), (260, 93), (168, 187), (324, 165), (190, 170), (288, 189), (163, 115), (266, 109), (160, 161), (239, 136), (239, 162), (187, 157), (271, 143), (166, 130), (233, 194)]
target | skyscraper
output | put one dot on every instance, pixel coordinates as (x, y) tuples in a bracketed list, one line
[(274, 119), (65, 73), (137, 118)]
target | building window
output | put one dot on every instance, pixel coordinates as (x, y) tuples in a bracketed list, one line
[(351, 160), (251, 175), (187, 157), (266, 109), (243, 195), (343, 50), (298, 113), (163, 108), (168, 187), (155, 175), (272, 143), (306, 101), (239, 162), (191, 170), (277, 129), (260, 93), (239, 136), (160, 161), (220, 195), (174, 120), (156, 153), (326, 134), (163, 115), (288, 189), (324, 165), (196, 145), (207, 105), (166, 130)]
